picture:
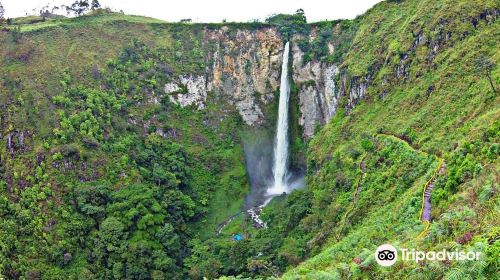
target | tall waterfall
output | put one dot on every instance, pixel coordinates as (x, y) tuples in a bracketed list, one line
[(280, 162)]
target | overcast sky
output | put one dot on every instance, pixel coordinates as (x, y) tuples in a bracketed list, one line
[(212, 10)]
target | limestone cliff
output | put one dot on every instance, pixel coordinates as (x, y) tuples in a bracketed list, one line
[(317, 93), (244, 67)]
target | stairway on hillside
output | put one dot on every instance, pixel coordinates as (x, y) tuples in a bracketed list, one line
[(426, 209)]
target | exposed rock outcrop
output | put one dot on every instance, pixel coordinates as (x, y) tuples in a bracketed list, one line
[(191, 91), (317, 93), (243, 66), (355, 88), (16, 142)]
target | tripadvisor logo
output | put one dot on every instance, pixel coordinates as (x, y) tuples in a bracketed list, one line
[(387, 255)]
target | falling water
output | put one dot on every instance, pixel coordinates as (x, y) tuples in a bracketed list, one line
[(281, 142)]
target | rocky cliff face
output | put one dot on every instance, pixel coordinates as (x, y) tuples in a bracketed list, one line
[(244, 67), (317, 93)]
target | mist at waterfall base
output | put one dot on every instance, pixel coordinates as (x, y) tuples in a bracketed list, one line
[(267, 161), (259, 156)]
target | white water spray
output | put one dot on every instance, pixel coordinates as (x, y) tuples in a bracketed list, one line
[(280, 163)]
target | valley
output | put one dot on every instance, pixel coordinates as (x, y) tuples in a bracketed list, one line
[(134, 148)]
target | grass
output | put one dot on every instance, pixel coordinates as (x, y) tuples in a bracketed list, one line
[(442, 107), (26, 23), (228, 197)]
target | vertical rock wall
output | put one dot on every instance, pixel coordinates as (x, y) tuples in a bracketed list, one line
[(317, 93), (244, 66)]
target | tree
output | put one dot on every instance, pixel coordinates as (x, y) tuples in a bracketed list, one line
[(92, 200), (289, 25), (483, 66), (95, 5), (2, 13), (79, 7), (202, 262), (167, 236), (301, 15), (45, 12)]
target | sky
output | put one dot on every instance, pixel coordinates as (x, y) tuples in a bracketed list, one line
[(211, 10)]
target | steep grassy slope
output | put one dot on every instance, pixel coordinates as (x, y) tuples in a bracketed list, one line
[(425, 89)]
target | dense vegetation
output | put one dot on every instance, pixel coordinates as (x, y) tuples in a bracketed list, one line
[(289, 25), (421, 60), (102, 177), (98, 196)]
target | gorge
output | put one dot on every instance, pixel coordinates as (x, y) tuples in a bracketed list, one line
[(133, 148)]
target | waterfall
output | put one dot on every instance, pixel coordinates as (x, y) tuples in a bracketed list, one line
[(280, 161)]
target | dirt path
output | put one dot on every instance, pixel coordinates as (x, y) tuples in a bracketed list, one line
[(222, 225), (253, 213), (426, 210), (359, 186)]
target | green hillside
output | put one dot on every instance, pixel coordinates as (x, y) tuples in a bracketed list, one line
[(82, 163), (444, 107), (102, 176)]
